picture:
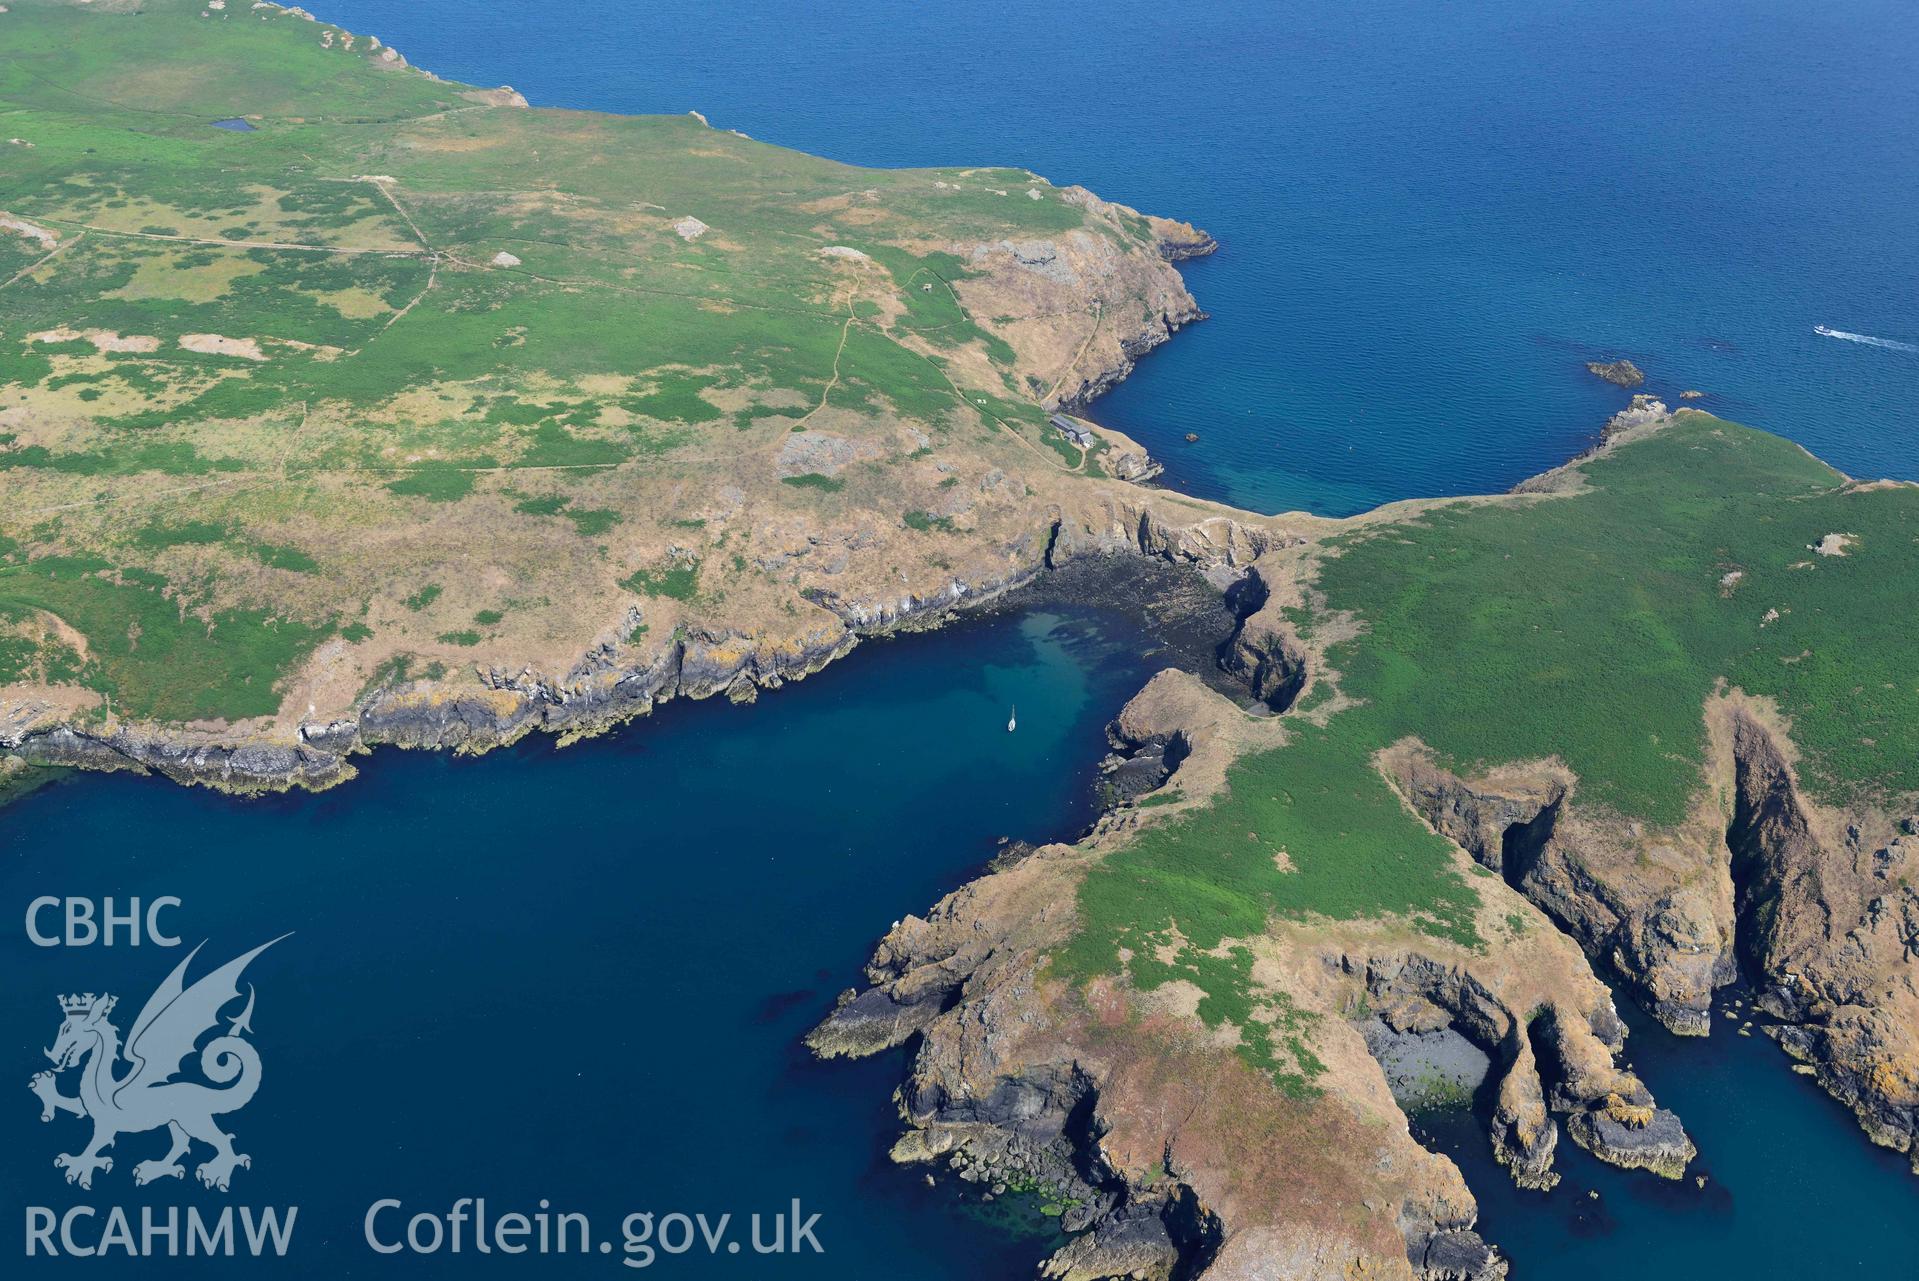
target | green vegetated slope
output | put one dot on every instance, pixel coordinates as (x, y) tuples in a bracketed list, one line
[(1592, 627), (211, 291)]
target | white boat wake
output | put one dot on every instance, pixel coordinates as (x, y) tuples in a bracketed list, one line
[(1888, 343)]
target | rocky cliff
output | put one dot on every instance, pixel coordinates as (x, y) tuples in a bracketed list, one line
[(1175, 1157), (726, 408), (1205, 1124), (610, 683)]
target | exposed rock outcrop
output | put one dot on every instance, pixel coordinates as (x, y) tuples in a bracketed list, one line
[(1652, 907), (1125, 458), (1808, 902), (1179, 241), (1135, 304), (1139, 766), (1608, 1110), (612, 681), (1829, 928), (1621, 373), (1264, 651), (1125, 1107), (229, 762), (1523, 1133), (1133, 1243)]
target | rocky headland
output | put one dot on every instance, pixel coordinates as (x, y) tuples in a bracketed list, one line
[(1450, 761), (1180, 1157), (558, 538), (1174, 1155)]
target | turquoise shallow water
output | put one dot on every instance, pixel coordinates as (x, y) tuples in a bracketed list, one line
[(582, 974)]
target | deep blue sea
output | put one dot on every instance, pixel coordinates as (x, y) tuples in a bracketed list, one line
[(581, 974)]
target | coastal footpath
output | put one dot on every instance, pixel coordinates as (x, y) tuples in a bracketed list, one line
[(344, 406), (392, 411)]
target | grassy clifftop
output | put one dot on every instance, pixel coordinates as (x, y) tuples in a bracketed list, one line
[(1657, 707), (1582, 632), (402, 377), (1593, 627)]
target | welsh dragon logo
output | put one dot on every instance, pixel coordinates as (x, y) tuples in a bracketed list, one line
[(147, 1097)]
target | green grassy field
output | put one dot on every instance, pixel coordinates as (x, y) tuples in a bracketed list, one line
[(1594, 628), (1591, 627), (146, 652), (398, 308)]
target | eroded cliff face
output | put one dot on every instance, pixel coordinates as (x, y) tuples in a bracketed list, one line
[(1810, 905), (1179, 1158), (1649, 903), (1080, 306), (487, 706), (1176, 1156), (1828, 926)]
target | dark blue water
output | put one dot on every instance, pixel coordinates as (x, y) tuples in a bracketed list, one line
[(1791, 1188), (580, 975)]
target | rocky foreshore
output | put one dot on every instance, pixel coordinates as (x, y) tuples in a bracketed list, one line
[(605, 687), (487, 707), (1809, 903), (1016, 1086)]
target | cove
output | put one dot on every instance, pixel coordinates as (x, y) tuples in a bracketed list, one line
[(581, 974), (1791, 1187)]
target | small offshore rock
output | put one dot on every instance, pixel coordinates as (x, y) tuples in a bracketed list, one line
[(1621, 373), (1635, 1138)]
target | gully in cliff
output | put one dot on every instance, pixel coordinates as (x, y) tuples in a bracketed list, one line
[(1353, 859)]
